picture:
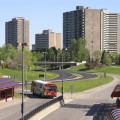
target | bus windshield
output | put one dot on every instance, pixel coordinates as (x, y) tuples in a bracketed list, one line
[(51, 88)]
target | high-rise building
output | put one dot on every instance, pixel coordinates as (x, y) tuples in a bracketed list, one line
[(46, 40), (17, 32), (99, 28), (110, 31)]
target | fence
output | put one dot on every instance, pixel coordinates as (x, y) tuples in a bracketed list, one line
[(40, 108)]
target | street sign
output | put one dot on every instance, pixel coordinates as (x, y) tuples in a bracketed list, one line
[(71, 88), (41, 75)]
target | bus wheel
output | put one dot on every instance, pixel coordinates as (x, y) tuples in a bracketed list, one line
[(51, 97), (33, 92)]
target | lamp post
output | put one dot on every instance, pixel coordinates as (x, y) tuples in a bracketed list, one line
[(92, 49), (62, 74), (45, 67), (22, 104)]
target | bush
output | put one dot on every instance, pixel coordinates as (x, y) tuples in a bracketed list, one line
[(93, 64)]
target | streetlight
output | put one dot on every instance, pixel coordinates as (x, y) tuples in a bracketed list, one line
[(62, 75), (45, 67), (22, 104), (92, 49)]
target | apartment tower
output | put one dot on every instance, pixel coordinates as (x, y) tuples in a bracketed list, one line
[(17, 32), (110, 31), (100, 28), (46, 40)]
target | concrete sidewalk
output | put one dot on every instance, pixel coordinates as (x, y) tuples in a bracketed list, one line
[(9, 102), (48, 110)]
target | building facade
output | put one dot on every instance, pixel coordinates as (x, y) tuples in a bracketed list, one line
[(46, 40), (110, 31), (99, 28), (17, 32)]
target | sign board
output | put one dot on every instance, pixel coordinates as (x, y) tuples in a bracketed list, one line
[(41, 75), (71, 88)]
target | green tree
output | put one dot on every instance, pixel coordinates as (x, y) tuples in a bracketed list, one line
[(59, 55), (7, 52), (97, 56), (106, 58), (37, 56), (79, 51), (51, 54), (74, 49), (115, 57)]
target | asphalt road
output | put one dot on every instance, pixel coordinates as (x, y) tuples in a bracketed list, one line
[(67, 75), (90, 105), (12, 111)]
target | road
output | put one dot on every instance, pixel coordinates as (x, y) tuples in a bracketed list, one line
[(12, 109), (89, 105), (67, 75)]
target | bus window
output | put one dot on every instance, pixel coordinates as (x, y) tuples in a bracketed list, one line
[(51, 88)]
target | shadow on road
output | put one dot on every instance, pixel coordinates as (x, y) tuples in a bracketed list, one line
[(30, 95), (76, 106), (98, 111), (102, 112)]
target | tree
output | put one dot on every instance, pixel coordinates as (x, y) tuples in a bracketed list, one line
[(74, 49), (78, 49), (37, 56), (97, 56), (106, 58), (51, 54), (59, 55), (115, 58), (17, 63), (67, 55), (7, 52)]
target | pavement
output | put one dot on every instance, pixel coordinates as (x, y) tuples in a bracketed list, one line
[(48, 110), (10, 102)]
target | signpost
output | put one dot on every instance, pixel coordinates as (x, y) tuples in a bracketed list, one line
[(71, 89)]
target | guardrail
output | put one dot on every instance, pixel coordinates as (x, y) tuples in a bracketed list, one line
[(40, 108)]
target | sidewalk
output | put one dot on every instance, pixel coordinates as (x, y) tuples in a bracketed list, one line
[(48, 110), (9, 102)]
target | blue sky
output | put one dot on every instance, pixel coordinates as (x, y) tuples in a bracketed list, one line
[(46, 14)]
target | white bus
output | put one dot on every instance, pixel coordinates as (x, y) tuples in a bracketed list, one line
[(44, 88)]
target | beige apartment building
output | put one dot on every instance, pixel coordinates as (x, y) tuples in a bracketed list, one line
[(46, 40), (17, 32), (100, 28), (110, 31)]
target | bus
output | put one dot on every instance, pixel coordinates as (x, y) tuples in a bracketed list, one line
[(44, 88)]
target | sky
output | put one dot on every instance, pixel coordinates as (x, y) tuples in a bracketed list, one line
[(46, 14)]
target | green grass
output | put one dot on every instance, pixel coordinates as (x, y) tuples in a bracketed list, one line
[(79, 67), (82, 85), (107, 69), (29, 75), (112, 70)]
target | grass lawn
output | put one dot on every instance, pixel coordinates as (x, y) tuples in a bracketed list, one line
[(77, 68), (107, 69), (29, 75), (82, 85), (113, 70)]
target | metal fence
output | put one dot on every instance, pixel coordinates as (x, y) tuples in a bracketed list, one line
[(40, 108)]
